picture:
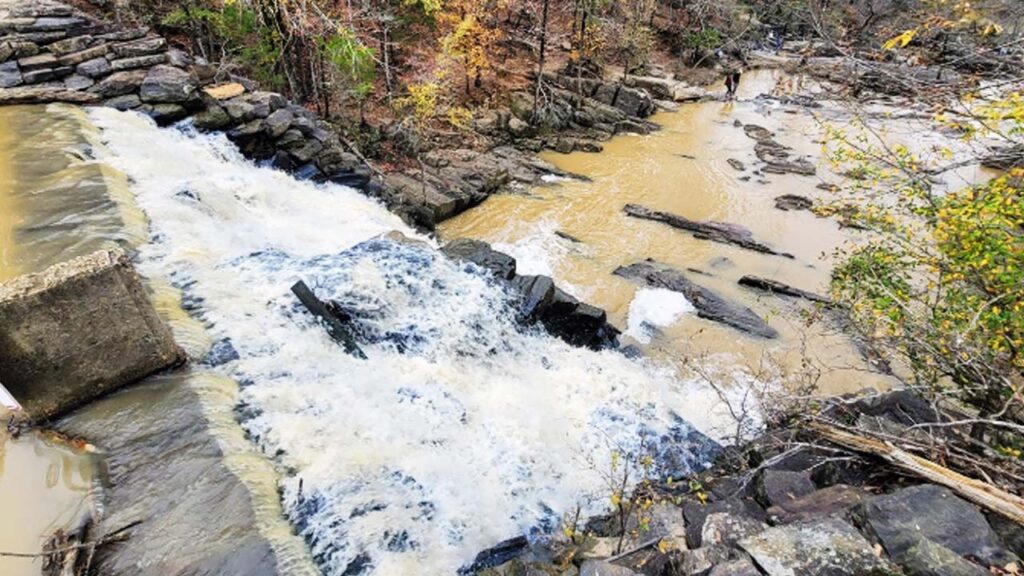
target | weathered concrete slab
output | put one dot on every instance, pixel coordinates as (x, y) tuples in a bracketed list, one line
[(77, 330)]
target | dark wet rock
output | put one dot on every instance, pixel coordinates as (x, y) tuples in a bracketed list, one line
[(776, 287), (900, 406), (578, 323), (567, 236), (696, 513), (777, 158), (168, 84), (736, 164), (95, 68), (709, 305), (926, 558), (824, 548), (498, 554), (830, 501), (899, 519), (119, 83), (722, 232), (793, 202), (222, 352), (779, 487), (649, 561)]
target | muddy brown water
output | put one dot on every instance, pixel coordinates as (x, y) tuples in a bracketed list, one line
[(684, 169)]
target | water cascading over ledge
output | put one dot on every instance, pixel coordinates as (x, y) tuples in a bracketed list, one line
[(461, 430)]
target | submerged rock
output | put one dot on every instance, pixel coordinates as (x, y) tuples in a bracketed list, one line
[(788, 202), (709, 305), (715, 231)]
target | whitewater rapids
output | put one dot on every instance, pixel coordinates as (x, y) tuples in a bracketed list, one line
[(461, 430)]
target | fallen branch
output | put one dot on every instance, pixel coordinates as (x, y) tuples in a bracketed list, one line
[(115, 536), (335, 328), (981, 493)]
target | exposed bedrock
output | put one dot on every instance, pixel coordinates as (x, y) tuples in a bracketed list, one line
[(709, 305), (722, 232)]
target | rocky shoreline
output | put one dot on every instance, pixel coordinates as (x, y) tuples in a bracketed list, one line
[(787, 503)]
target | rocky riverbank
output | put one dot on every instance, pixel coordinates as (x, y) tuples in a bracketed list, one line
[(53, 52), (788, 503)]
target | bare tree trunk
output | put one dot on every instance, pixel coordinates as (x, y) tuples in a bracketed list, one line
[(540, 60)]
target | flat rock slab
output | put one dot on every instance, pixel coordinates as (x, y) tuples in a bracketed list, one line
[(825, 548), (78, 330), (709, 305), (722, 232)]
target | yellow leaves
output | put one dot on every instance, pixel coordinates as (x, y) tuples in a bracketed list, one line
[(901, 40)]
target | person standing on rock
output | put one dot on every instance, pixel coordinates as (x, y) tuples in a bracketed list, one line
[(732, 82)]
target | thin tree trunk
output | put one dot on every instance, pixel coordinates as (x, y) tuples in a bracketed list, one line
[(540, 62)]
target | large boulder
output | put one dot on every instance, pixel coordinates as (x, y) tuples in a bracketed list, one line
[(168, 84), (78, 330), (934, 513)]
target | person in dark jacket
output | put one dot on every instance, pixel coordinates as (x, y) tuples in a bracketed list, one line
[(732, 82)]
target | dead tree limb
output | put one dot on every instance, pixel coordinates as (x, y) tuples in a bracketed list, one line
[(981, 493), (335, 328)]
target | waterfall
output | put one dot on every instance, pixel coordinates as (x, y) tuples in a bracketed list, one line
[(461, 430)]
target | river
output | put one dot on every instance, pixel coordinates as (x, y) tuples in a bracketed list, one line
[(463, 428)]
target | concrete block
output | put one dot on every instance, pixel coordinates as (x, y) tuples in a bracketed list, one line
[(78, 330)]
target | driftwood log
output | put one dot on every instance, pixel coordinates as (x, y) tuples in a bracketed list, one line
[(976, 491), (336, 329)]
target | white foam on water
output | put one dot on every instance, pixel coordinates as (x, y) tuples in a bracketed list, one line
[(538, 250), (461, 430), (655, 308)]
